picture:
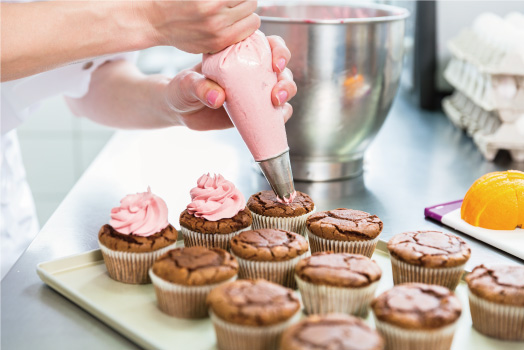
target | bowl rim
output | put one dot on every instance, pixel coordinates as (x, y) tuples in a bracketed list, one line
[(397, 13)]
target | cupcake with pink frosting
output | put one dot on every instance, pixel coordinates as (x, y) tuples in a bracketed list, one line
[(216, 214), (136, 235)]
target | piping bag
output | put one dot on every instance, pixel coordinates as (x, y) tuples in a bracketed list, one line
[(245, 72)]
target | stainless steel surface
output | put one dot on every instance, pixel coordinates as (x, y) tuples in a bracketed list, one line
[(347, 63), (418, 159), (277, 171)]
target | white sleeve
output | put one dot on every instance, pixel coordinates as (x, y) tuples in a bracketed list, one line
[(20, 97)]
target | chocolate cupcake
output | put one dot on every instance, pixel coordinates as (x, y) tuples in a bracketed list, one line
[(496, 301), (269, 254), (329, 332), (430, 257), (337, 282), (417, 316), (137, 234), (216, 213), (344, 231), (183, 277), (269, 212), (252, 314)]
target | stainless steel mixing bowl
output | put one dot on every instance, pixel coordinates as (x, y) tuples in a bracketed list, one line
[(346, 61)]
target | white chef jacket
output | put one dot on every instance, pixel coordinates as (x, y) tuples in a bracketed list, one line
[(19, 98)]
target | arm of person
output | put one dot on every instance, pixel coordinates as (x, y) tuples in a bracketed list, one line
[(41, 36), (121, 96)]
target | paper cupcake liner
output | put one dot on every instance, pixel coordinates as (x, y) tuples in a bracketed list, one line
[(182, 301), (281, 272), (319, 244), (232, 336), (444, 276), (209, 240), (322, 299), (495, 320), (398, 338), (131, 267), (295, 224)]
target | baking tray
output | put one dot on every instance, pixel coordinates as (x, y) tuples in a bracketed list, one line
[(131, 309), (510, 241)]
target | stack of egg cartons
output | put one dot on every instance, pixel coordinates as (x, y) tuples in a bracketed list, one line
[(487, 72)]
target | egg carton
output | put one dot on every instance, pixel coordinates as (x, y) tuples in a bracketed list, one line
[(501, 93), (488, 130), (493, 44)]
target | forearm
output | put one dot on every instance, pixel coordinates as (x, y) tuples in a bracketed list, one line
[(37, 37), (121, 96)]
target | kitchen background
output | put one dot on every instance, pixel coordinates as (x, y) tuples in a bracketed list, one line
[(57, 147)]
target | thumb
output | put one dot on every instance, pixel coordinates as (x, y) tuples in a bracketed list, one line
[(190, 91)]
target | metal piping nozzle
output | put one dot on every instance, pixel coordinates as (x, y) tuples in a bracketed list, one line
[(277, 171)]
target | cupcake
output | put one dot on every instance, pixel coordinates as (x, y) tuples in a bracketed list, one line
[(430, 257), (216, 214), (252, 314), (417, 316), (344, 231), (337, 282), (270, 212), (183, 277), (496, 301), (137, 234), (270, 254), (331, 331)]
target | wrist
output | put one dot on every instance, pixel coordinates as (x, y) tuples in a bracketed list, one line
[(135, 31)]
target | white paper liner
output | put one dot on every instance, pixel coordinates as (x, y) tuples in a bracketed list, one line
[(319, 244), (209, 240), (131, 267), (295, 224), (407, 273), (495, 320), (281, 272), (322, 299), (182, 301), (232, 336), (398, 338)]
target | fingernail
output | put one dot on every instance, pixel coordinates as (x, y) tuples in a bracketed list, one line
[(212, 97), (281, 64), (282, 97)]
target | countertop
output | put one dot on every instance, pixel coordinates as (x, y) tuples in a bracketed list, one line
[(418, 159)]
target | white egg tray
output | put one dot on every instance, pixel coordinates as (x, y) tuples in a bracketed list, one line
[(489, 132)]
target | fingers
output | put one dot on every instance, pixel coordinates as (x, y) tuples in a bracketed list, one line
[(207, 119), (239, 11), (239, 31), (285, 89), (287, 111), (280, 52)]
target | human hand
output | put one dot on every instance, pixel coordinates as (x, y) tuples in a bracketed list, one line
[(198, 101), (199, 26)]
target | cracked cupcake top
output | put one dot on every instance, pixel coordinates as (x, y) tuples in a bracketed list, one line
[(253, 302), (429, 249), (330, 332), (503, 284), (417, 306), (196, 266), (344, 225), (268, 245), (266, 203), (339, 270)]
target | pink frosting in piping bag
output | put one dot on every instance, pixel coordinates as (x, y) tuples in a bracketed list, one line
[(141, 214), (215, 198), (246, 73)]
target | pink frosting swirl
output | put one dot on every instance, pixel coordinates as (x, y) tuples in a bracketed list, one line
[(215, 198), (141, 214)]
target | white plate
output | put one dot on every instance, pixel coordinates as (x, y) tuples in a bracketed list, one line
[(131, 309)]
